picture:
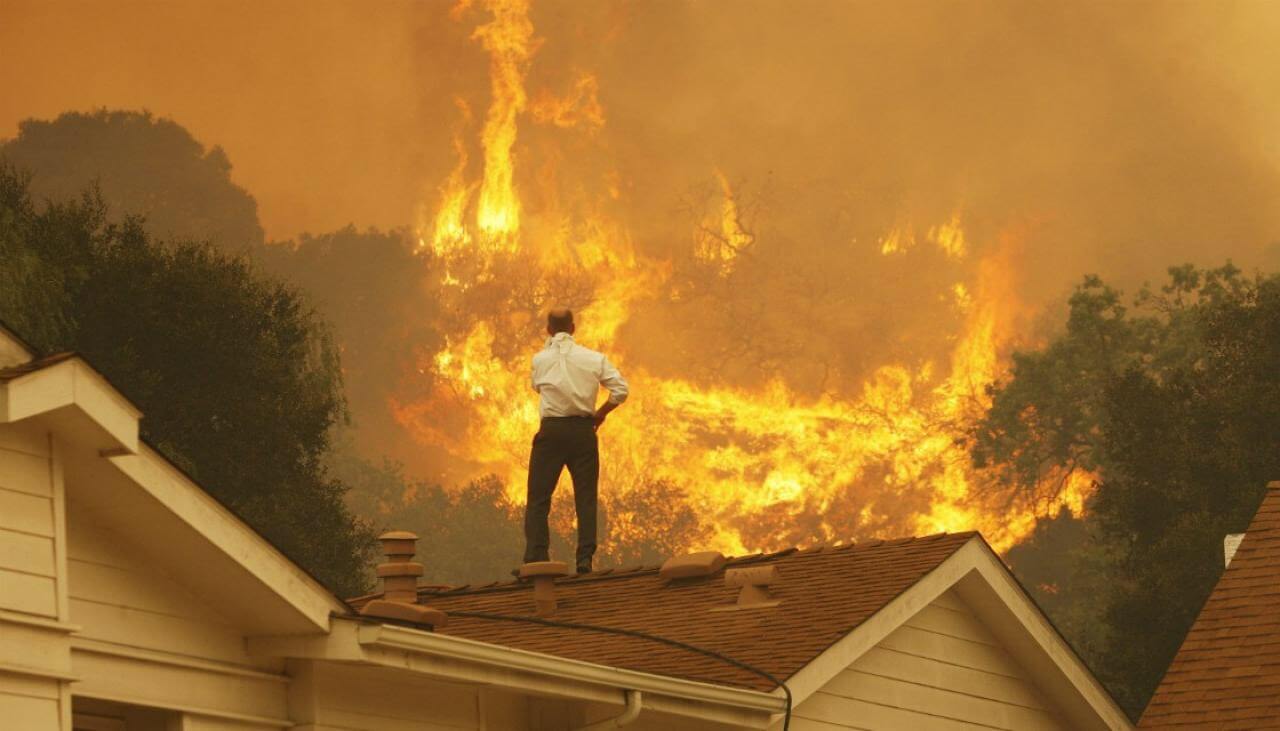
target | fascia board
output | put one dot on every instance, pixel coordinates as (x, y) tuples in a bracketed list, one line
[(72, 383), (839, 656), (993, 593)]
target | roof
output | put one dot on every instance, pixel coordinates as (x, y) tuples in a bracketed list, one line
[(1227, 672), (825, 594), (31, 366)]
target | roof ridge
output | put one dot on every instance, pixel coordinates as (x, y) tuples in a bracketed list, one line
[(609, 574)]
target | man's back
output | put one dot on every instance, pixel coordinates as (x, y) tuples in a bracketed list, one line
[(568, 376)]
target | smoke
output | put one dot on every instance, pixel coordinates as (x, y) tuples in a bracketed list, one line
[(1134, 128), (1060, 138)]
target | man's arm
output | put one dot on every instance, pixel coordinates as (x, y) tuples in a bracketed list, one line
[(613, 381)]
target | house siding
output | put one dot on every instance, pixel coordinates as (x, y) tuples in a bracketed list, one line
[(34, 646), (147, 640), (942, 669)]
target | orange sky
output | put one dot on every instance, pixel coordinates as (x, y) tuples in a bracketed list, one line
[(1144, 131)]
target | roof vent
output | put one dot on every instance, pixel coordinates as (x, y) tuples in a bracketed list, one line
[(1229, 546), (399, 577), (754, 582), (544, 574), (692, 565)]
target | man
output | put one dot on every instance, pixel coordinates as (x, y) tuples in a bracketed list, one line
[(567, 378)]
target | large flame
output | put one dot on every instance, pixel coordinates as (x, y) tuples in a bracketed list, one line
[(763, 467)]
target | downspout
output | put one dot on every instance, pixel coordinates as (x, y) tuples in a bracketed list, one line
[(628, 715)]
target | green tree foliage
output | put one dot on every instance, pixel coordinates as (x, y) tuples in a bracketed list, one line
[(143, 166), (238, 378), (1173, 403), (369, 286)]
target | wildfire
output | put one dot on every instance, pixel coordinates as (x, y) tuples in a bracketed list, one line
[(761, 467)]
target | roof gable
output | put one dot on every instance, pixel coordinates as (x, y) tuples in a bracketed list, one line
[(836, 603), (115, 480), (1227, 672), (824, 593)]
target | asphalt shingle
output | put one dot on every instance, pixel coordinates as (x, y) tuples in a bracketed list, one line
[(1226, 675)]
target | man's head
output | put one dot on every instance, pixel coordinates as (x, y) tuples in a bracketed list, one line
[(560, 320)]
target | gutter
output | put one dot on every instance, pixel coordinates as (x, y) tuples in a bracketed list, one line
[(403, 639), (629, 714)]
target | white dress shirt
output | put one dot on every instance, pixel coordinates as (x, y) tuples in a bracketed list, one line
[(568, 377)]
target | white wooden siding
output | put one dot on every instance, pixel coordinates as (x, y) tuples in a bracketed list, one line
[(118, 598), (148, 641), (28, 523), (942, 669), (33, 643), (28, 703), (331, 696)]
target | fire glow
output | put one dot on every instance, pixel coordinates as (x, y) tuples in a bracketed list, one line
[(764, 467)]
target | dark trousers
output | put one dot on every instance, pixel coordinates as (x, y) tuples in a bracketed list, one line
[(562, 442)]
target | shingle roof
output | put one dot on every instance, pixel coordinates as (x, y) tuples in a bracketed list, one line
[(825, 593), (22, 369), (1227, 673)]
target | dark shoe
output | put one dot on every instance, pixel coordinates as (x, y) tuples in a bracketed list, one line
[(584, 568)]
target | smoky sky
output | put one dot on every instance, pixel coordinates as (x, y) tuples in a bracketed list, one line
[(1119, 138), (1137, 134)]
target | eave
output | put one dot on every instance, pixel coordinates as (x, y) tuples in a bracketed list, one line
[(456, 659)]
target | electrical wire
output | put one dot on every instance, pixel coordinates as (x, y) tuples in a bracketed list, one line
[(786, 721)]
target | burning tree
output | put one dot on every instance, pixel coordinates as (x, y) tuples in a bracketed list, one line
[(746, 406)]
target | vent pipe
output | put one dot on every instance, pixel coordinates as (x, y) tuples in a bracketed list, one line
[(754, 582), (544, 574), (692, 565), (399, 578)]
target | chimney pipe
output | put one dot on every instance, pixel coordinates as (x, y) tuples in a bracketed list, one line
[(544, 574), (399, 578)]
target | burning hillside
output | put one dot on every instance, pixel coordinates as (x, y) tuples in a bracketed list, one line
[(734, 408)]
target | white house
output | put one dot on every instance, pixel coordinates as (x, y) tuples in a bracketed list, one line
[(132, 600)]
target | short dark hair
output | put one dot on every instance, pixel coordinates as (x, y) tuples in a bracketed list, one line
[(560, 320)]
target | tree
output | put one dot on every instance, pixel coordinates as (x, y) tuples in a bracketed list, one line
[(237, 376), (1174, 405), (143, 166), (369, 285)]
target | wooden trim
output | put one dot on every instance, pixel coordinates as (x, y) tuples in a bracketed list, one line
[(182, 708), (155, 657), (13, 669), (53, 625), (57, 478)]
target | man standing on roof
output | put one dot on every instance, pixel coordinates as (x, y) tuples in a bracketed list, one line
[(567, 377)]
